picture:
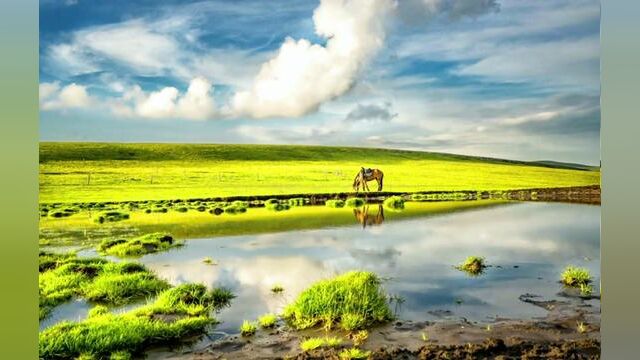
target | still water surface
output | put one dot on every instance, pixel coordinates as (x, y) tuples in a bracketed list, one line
[(526, 244)]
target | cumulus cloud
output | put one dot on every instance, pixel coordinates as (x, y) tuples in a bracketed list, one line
[(195, 104), (53, 97), (304, 75), (371, 112)]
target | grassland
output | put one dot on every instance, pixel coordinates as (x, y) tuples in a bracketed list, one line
[(82, 172)]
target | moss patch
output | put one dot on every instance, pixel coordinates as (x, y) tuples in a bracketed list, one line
[(139, 246), (176, 313), (353, 300)]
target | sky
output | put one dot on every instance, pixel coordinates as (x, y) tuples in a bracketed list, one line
[(498, 78)]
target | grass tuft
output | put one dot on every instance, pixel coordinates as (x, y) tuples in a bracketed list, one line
[(473, 265), (314, 343), (354, 202), (247, 328), (336, 203), (111, 216), (267, 321), (94, 279), (354, 300), (150, 243), (311, 344), (394, 203), (104, 335), (575, 276)]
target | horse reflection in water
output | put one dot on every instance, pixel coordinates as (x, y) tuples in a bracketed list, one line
[(366, 219)]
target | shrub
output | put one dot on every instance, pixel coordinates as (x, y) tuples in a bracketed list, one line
[(354, 300)]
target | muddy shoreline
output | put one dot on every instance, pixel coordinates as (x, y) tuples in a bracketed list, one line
[(570, 330), (576, 194)]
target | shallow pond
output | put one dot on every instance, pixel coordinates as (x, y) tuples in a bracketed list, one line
[(526, 244)]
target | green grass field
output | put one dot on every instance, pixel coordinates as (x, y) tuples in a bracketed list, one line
[(82, 172)]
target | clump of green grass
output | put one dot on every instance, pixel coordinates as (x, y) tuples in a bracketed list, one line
[(63, 277), (314, 343), (267, 321), (236, 207), (354, 202), (353, 300), (586, 290), (473, 265), (334, 203), (111, 216), (311, 344), (394, 203), (182, 209), (247, 328), (298, 201), (276, 205), (63, 213), (121, 283), (354, 353), (139, 246), (177, 313), (575, 276), (277, 289)]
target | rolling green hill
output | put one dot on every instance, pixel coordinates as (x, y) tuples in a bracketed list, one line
[(108, 171)]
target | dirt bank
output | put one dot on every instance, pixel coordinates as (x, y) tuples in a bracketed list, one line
[(570, 330)]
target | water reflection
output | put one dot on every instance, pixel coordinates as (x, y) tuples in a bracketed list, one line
[(365, 218), (526, 244)]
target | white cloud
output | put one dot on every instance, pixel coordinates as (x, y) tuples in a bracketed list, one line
[(53, 97), (304, 75), (196, 103)]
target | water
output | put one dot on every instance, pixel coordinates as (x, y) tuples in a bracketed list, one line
[(527, 244)]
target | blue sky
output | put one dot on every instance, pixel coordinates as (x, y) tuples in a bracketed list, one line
[(500, 78)]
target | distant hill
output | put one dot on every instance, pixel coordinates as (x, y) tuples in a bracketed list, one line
[(76, 151)]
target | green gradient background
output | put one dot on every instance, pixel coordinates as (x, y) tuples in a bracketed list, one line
[(19, 149), (19, 180)]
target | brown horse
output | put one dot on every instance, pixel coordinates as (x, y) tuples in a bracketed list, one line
[(363, 177)]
